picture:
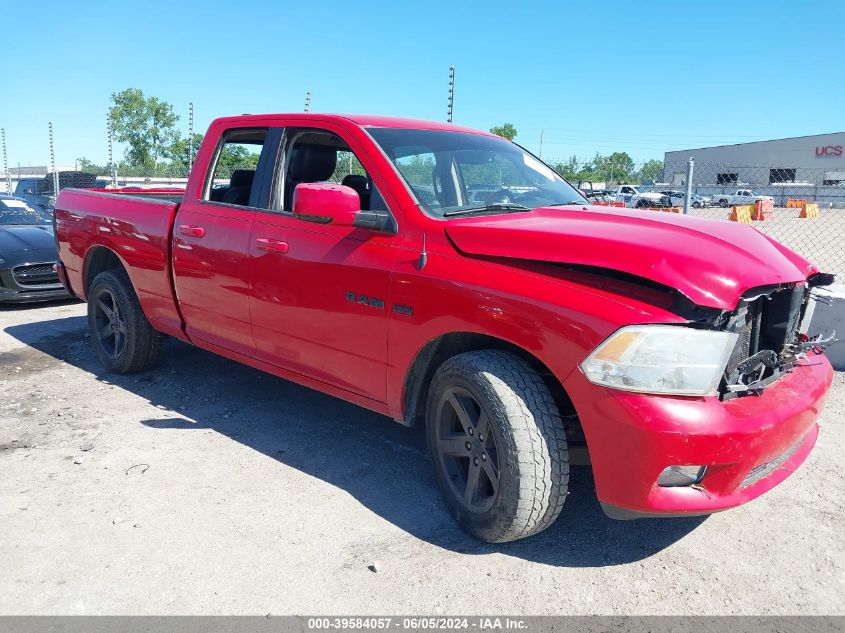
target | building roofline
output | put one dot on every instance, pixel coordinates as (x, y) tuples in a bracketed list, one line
[(773, 140)]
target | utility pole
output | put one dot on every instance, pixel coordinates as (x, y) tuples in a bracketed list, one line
[(6, 163), (688, 192), (451, 93), (53, 161), (190, 135), (541, 145), (307, 102), (112, 168)]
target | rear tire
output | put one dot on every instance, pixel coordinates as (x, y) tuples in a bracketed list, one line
[(723, 203), (124, 340), (498, 445)]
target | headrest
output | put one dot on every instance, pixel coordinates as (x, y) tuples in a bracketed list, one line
[(313, 163), (358, 183), (242, 178)]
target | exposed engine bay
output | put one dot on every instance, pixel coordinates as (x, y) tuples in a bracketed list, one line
[(769, 323)]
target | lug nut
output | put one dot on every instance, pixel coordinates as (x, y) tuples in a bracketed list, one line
[(475, 461), (471, 432), (468, 446), (484, 457)]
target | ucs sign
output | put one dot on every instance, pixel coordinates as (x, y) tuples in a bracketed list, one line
[(829, 150)]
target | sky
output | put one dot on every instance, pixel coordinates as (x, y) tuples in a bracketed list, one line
[(643, 77)]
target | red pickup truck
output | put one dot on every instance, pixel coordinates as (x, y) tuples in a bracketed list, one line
[(443, 275)]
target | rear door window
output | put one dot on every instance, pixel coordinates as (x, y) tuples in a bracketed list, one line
[(231, 179)]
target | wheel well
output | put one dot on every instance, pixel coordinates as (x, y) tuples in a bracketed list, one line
[(98, 260), (440, 349)]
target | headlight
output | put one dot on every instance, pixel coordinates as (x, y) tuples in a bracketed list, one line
[(669, 359)]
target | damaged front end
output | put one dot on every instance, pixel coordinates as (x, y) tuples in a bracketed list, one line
[(772, 336)]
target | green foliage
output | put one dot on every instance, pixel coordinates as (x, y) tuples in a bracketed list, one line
[(146, 124), (182, 153), (89, 167), (619, 167), (651, 170), (506, 130), (347, 164)]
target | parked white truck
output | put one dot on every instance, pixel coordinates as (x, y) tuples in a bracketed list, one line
[(635, 199), (742, 196)]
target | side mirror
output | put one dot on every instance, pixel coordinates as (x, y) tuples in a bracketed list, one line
[(326, 203)]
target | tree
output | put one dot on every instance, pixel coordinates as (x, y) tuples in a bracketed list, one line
[(568, 169), (88, 166), (182, 154), (506, 130), (618, 167), (651, 170), (146, 124)]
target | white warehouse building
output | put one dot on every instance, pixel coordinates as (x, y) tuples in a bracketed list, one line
[(812, 165)]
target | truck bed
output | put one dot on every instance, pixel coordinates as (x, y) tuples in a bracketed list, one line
[(134, 224)]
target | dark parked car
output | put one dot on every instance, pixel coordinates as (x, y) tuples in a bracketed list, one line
[(40, 192), (27, 253)]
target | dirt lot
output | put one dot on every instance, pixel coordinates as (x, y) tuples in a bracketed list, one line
[(208, 487)]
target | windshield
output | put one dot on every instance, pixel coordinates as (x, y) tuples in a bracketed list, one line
[(19, 212), (455, 172)]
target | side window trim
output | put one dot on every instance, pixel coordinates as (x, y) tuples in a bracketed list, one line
[(277, 180), (266, 161)]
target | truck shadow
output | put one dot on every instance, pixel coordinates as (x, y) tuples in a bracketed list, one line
[(379, 462)]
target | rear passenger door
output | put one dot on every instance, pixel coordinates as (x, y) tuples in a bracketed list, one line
[(211, 239)]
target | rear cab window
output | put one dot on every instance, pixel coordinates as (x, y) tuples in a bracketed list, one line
[(231, 178)]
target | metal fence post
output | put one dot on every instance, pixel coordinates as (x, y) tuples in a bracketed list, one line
[(53, 161), (6, 164), (688, 195), (190, 136)]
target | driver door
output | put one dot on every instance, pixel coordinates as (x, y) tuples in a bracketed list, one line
[(320, 294)]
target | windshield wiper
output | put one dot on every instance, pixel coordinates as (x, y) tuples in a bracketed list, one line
[(495, 206)]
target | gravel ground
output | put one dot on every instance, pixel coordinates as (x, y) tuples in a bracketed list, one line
[(206, 487)]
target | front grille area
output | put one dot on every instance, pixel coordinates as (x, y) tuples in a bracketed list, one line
[(768, 468), (35, 275), (767, 325)]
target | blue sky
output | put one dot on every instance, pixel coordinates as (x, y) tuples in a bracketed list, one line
[(641, 77)]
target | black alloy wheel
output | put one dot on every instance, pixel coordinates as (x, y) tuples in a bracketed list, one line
[(110, 325), (466, 449)]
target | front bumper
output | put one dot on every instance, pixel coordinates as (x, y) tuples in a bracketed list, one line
[(748, 444)]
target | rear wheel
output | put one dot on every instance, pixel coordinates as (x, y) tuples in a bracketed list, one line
[(723, 203), (498, 445), (124, 340), (642, 204)]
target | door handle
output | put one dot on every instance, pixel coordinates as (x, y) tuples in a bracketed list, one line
[(191, 231), (271, 245)]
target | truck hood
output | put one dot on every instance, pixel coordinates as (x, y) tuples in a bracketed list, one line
[(26, 237), (712, 262)]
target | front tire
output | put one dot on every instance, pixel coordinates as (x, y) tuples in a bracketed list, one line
[(124, 340), (498, 445)]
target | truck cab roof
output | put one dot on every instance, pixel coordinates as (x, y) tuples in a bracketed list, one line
[(363, 120)]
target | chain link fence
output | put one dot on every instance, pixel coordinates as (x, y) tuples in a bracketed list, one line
[(801, 208)]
